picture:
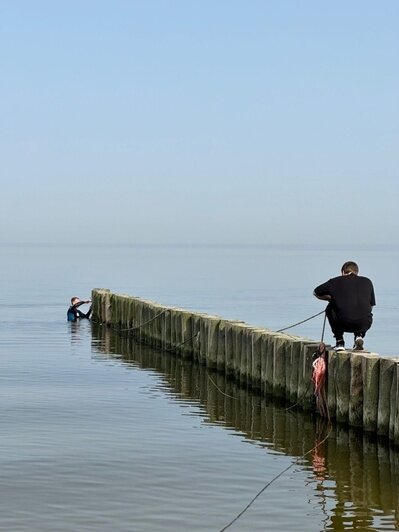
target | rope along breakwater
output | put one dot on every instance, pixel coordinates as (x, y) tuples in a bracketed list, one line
[(361, 388), (170, 329), (127, 314)]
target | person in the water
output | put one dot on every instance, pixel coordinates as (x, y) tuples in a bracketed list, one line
[(74, 314)]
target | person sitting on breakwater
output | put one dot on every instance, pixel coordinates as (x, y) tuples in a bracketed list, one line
[(351, 298), (73, 313)]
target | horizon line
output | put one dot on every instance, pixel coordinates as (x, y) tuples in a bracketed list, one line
[(214, 245)]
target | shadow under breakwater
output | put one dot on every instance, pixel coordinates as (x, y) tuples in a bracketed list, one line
[(354, 475)]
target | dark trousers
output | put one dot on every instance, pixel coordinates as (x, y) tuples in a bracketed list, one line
[(339, 327)]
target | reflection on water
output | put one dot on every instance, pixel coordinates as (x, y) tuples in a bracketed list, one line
[(98, 434), (353, 476)]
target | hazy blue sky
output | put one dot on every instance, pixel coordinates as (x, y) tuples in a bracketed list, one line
[(209, 121)]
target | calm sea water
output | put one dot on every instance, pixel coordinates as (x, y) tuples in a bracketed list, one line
[(99, 433)]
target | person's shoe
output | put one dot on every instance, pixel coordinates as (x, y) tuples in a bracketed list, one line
[(359, 343), (339, 347)]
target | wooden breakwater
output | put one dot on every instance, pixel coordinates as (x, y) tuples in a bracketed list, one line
[(362, 389)]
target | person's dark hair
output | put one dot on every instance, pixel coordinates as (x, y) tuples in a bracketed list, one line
[(350, 267)]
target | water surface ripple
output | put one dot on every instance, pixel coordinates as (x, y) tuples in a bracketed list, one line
[(99, 433)]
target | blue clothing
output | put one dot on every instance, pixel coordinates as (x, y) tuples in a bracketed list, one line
[(73, 314)]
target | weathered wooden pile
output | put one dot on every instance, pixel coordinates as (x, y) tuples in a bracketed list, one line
[(362, 388)]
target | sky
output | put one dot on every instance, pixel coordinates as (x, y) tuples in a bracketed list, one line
[(208, 122)]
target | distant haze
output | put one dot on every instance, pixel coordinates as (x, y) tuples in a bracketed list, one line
[(199, 122)]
